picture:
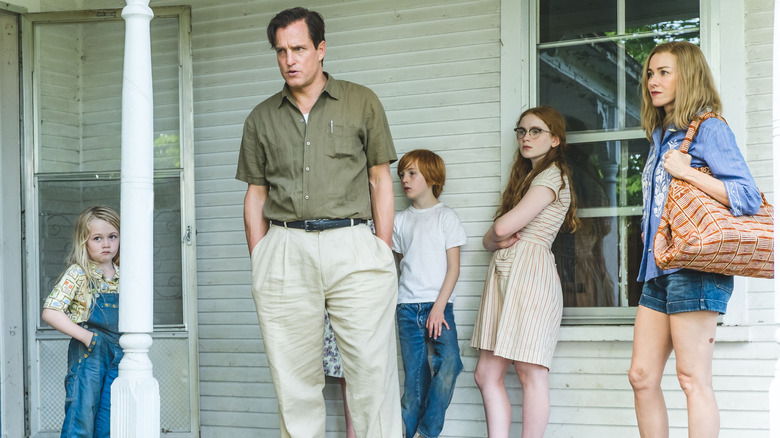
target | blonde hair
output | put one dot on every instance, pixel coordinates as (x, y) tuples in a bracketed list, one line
[(523, 173), (79, 255), (695, 88), (430, 165)]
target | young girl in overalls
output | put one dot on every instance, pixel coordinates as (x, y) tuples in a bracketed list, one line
[(84, 305)]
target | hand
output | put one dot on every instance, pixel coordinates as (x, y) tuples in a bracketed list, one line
[(677, 164), (509, 241), (435, 321), (495, 245), (87, 337)]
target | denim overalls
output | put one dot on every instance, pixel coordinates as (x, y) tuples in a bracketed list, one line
[(91, 372)]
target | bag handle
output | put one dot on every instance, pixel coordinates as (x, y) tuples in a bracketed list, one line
[(693, 128)]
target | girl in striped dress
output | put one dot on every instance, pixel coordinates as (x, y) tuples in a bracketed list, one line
[(520, 313)]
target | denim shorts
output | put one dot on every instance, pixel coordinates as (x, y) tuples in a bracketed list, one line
[(687, 291)]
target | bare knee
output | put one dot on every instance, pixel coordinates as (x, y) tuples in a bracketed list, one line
[(487, 377), (482, 378), (530, 374), (692, 384), (641, 378)]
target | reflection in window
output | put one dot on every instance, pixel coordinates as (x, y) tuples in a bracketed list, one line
[(589, 67), (61, 202), (78, 144)]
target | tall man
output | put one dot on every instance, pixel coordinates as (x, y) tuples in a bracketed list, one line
[(316, 157)]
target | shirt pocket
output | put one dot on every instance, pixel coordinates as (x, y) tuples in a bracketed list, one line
[(344, 140)]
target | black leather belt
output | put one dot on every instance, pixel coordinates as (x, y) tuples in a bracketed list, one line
[(319, 224)]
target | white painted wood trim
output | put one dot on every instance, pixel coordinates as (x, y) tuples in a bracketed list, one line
[(774, 388), (515, 89), (187, 193), (11, 317)]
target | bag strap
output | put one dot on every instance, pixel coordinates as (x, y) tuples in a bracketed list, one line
[(693, 128)]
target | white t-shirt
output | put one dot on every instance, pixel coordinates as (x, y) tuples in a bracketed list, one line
[(423, 238)]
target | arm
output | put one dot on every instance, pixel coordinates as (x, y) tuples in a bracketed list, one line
[(731, 182), (503, 232), (62, 323), (255, 224), (678, 165), (436, 316), (380, 184)]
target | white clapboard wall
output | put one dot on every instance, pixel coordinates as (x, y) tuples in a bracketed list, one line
[(435, 64)]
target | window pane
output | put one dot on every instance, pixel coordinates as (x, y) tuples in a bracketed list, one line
[(60, 203), (634, 248), (587, 263), (167, 252), (584, 82), (597, 85), (165, 75), (608, 173), (80, 90), (573, 19), (606, 178), (661, 15)]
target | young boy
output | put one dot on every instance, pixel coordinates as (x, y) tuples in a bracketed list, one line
[(427, 237)]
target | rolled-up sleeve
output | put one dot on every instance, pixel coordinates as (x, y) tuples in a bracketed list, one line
[(716, 146), (251, 158)]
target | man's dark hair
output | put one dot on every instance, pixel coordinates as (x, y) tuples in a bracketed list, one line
[(313, 21)]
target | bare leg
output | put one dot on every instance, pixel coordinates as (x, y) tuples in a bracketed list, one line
[(347, 417), (536, 398), (489, 376), (693, 336), (652, 347)]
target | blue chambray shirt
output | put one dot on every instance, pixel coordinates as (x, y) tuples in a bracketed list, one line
[(713, 146)]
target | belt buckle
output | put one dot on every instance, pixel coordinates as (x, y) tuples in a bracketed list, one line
[(312, 225)]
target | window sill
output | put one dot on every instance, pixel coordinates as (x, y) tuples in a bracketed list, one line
[(625, 333)]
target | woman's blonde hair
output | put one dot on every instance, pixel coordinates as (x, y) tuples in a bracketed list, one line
[(79, 254), (523, 173), (695, 89)]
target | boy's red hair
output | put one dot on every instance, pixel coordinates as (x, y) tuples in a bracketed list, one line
[(430, 165)]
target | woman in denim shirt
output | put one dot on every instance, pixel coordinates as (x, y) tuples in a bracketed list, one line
[(678, 309)]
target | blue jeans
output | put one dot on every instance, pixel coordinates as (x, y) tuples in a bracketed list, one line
[(91, 372), (687, 291), (426, 396)]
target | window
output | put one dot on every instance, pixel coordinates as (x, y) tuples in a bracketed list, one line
[(78, 101), (73, 75), (588, 61)]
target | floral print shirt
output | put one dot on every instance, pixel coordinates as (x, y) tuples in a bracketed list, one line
[(71, 293), (714, 146)]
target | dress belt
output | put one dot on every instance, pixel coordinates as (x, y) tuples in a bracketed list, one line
[(319, 224)]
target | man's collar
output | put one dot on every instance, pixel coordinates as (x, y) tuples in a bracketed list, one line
[(332, 88)]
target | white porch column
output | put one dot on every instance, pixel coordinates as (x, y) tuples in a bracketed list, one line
[(774, 389), (135, 394)]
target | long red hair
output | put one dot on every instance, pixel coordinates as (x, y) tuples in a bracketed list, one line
[(523, 173)]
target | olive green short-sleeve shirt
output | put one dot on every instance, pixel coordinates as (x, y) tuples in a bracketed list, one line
[(319, 169)]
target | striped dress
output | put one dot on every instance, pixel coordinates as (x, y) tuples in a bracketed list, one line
[(522, 303)]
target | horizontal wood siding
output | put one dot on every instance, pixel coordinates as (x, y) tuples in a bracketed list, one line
[(435, 65)]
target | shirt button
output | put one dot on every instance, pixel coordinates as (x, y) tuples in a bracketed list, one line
[(307, 169), (308, 143), (303, 120), (306, 197)]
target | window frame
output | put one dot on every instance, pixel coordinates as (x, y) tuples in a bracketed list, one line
[(519, 36), (185, 172)]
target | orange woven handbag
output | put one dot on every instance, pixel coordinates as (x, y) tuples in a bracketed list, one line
[(699, 233)]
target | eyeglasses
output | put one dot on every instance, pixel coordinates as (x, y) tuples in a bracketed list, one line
[(533, 132)]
